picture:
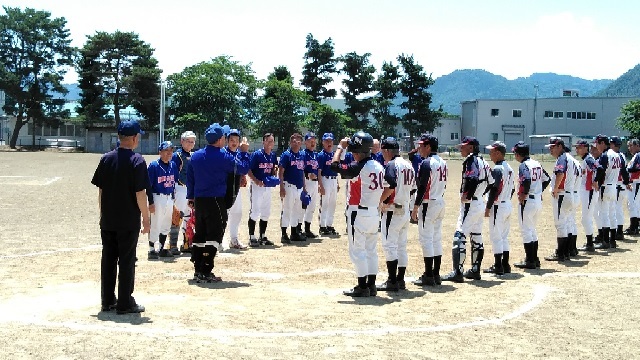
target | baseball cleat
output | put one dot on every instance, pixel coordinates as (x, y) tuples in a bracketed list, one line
[(310, 235), (174, 251), (254, 243), (402, 285), (285, 239), (454, 276), (324, 231), (472, 275), (388, 286), (494, 270), (602, 245), (153, 255), (164, 253), (357, 292), (425, 280), (266, 242), (555, 257)]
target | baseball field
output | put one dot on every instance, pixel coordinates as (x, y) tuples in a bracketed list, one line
[(286, 302)]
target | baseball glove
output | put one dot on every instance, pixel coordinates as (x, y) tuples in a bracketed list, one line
[(176, 217)]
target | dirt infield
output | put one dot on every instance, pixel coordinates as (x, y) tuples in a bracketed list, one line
[(286, 302)]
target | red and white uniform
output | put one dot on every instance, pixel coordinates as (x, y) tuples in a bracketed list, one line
[(587, 192), (531, 173), (431, 183), (610, 161), (499, 204)]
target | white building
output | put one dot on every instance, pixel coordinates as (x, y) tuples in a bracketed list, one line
[(510, 120)]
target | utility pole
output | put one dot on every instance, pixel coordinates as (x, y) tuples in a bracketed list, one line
[(162, 85), (535, 108)]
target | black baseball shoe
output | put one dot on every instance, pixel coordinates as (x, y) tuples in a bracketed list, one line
[(185, 249), (324, 231), (109, 307), (254, 243), (134, 309), (556, 256), (333, 231), (310, 235), (164, 253), (357, 292), (373, 291), (472, 275), (402, 285), (388, 286), (174, 251), (454, 276), (297, 237), (266, 242), (587, 248), (285, 239), (152, 255), (631, 231), (425, 280), (494, 270)]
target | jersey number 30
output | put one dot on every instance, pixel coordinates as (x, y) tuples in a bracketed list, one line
[(376, 181)]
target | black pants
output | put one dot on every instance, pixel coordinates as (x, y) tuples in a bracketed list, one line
[(211, 221), (118, 249)]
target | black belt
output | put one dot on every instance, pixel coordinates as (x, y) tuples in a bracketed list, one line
[(398, 206), (306, 176), (474, 198), (503, 201), (363, 207), (330, 177), (162, 194), (532, 196), (312, 179)]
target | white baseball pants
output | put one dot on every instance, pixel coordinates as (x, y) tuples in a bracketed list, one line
[(362, 250), (312, 190), (260, 199), (328, 200), (528, 218), (499, 226), (161, 217), (395, 228), (291, 206), (430, 216)]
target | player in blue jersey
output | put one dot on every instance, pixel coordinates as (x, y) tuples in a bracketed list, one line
[(328, 186), (311, 181), (291, 174), (263, 166), (163, 174)]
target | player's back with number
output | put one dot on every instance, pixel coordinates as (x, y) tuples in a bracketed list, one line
[(531, 169), (437, 177), (405, 180), (372, 184)]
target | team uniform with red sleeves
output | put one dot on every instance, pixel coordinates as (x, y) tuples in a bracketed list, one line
[(588, 199)]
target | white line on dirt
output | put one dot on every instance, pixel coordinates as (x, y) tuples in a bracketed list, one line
[(596, 275), (49, 252), (539, 294), (51, 180)]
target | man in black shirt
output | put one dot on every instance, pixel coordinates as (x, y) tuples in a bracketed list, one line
[(122, 179)]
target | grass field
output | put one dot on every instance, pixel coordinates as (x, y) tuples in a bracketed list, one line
[(286, 302)]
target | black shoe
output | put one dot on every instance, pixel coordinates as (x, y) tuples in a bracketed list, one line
[(506, 268), (619, 235), (555, 257), (153, 255), (411, 221), (472, 275), (210, 278), (587, 248), (266, 242), (602, 245), (573, 252), (196, 276), (185, 250), (310, 235), (524, 264), (254, 243), (630, 231), (332, 231), (109, 307), (297, 237), (357, 292), (494, 270), (402, 285), (132, 310), (373, 291), (613, 245), (164, 253), (425, 280), (174, 251), (324, 231), (454, 276), (285, 239), (388, 286), (437, 279)]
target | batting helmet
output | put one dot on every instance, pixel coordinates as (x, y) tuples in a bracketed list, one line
[(361, 142)]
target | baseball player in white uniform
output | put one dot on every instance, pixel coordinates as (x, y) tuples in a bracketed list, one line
[(367, 186), (263, 165), (235, 212), (328, 187), (291, 175), (498, 209), (621, 188), (532, 180), (633, 168), (310, 181), (476, 176), (181, 158), (586, 190), (610, 161), (400, 178), (429, 208)]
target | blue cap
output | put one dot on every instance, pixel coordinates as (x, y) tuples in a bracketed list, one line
[(615, 140), (309, 135), (305, 198), (271, 181), (165, 145), (226, 129), (213, 133), (327, 136), (234, 132), (129, 128)]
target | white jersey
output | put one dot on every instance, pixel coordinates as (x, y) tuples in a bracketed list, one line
[(431, 178), (504, 177), (366, 182), (578, 173), (611, 162), (400, 176), (566, 167), (588, 169), (474, 167), (531, 170)]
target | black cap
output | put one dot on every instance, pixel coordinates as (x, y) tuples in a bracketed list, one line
[(469, 140), (555, 141), (615, 140), (427, 139), (498, 145), (390, 143), (601, 138), (520, 147), (581, 142)]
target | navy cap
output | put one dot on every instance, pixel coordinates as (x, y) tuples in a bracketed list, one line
[(309, 135), (165, 145), (520, 146), (129, 128), (469, 140), (601, 138), (327, 136), (498, 145), (553, 141), (615, 140), (427, 139), (390, 143), (581, 142), (234, 132), (213, 133)]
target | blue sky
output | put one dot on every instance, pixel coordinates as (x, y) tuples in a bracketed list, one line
[(588, 39)]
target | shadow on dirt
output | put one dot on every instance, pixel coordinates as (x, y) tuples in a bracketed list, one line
[(220, 284), (133, 319)]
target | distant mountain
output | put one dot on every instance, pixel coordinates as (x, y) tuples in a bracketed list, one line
[(626, 85), (461, 85)]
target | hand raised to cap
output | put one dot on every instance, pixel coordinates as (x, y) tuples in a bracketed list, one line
[(244, 145), (344, 143)]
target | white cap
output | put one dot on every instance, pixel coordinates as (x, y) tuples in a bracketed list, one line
[(188, 134)]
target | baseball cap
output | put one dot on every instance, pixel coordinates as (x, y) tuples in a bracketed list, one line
[(188, 135), (129, 128), (581, 142), (271, 181), (234, 132), (469, 140), (165, 145), (327, 136), (213, 133), (498, 145), (555, 141), (427, 139), (615, 140), (305, 198), (520, 146), (601, 138), (390, 143), (309, 135)]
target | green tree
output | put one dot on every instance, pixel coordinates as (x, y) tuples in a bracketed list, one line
[(118, 69), (414, 86), (323, 118), (359, 82), (220, 90), (629, 119), (283, 107), (35, 53), (387, 87), (319, 67)]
